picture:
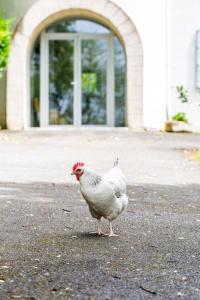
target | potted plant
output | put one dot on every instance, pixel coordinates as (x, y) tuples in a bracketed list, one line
[(179, 121)]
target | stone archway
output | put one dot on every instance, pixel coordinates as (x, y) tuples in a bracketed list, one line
[(43, 13)]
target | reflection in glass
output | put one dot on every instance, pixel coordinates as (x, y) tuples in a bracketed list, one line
[(35, 85), (120, 83), (94, 68), (77, 26), (61, 76)]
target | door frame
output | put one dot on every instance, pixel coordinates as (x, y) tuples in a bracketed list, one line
[(44, 76)]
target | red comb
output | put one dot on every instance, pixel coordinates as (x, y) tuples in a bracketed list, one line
[(78, 164)]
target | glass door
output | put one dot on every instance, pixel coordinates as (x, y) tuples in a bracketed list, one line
[(77, 79)]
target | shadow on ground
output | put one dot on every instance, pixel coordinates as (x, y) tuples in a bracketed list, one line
[(48, 250)]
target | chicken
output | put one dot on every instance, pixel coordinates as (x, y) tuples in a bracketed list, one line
[(104, 194)]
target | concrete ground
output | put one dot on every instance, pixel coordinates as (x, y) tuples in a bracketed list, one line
[(47, 248)]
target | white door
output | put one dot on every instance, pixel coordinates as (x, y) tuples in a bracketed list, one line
[(77, 79)]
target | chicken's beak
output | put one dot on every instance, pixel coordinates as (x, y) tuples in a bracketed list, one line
[(72, 173)]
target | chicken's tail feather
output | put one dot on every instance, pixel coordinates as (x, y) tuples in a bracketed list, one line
[(116, 162)]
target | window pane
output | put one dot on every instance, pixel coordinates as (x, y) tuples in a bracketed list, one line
[(120, 81), (75, 26), (35, 85), (94, 67), (61, 76)]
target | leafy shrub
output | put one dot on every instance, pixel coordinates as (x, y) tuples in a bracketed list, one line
[(181, 116), (5, 40)]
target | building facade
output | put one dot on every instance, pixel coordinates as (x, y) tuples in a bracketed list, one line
[(100, 63)]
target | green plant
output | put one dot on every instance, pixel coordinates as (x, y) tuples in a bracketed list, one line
[(5, 40), (183, 94), (181, 116)]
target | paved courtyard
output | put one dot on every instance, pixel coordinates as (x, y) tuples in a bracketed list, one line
[(47, 248)]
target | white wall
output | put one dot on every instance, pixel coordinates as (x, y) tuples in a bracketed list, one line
[(168, 30), (149, 18), (184, 20)]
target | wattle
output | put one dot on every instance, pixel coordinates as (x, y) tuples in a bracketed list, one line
[(78, 177)]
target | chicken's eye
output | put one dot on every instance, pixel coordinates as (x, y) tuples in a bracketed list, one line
[(78, 170)]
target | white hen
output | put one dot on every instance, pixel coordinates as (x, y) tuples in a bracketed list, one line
[(104, 194)]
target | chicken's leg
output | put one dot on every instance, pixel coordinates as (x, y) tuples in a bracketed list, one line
[(99, 228), (111, 230)]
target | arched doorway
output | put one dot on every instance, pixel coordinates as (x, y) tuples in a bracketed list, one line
[(40, 16), (78, 71)]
